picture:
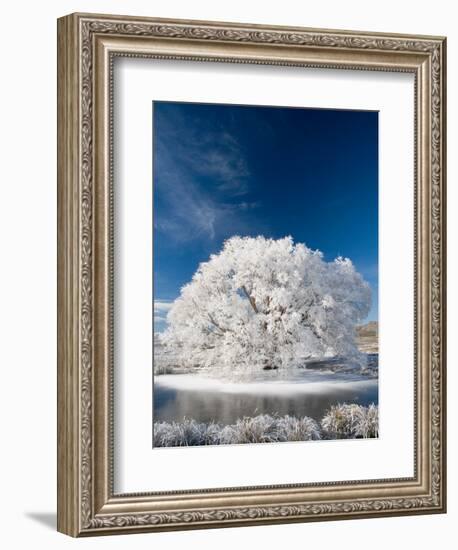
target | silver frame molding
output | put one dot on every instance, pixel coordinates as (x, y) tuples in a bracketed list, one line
[(87, 45)]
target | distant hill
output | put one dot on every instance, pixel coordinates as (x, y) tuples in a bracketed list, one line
[(367, 337)]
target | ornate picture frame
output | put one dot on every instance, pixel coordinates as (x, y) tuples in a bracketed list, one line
[(87, 46)]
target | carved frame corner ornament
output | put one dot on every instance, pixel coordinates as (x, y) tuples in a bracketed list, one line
[(87, 45)]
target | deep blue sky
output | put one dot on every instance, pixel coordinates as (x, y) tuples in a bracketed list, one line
[(220, 170)]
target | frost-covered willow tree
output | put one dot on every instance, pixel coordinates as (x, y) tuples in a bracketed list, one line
[(263, 304)]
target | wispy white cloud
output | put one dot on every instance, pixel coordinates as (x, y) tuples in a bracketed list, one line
[(207, 151), (185, 155), (189, 213), (162, 305), (223, 159)]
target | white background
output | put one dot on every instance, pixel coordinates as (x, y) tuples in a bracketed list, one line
[(28, 274), (136, 83)]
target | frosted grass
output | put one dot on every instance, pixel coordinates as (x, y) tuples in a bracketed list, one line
[(340, 422), (346, 421)]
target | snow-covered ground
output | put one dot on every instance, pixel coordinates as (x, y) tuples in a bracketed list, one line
[(304, 382)]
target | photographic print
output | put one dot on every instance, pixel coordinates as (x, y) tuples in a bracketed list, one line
[(265, 265)]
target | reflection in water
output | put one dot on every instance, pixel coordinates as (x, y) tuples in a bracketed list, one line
[(192, 396)]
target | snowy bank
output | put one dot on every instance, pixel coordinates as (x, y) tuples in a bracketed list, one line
[(306, 382)]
